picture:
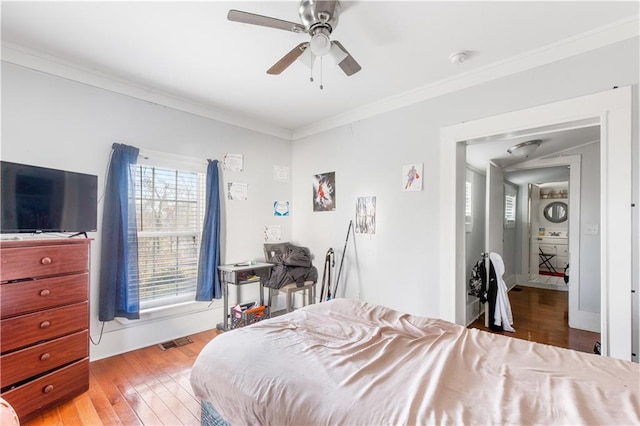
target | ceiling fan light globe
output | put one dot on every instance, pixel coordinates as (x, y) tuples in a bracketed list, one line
[(337, 54), (307, 58), (320, 44)]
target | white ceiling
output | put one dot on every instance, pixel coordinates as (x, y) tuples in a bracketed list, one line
[(190, 55), (553, 143)]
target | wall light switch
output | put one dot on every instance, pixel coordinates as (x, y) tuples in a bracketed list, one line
[(591, 230)]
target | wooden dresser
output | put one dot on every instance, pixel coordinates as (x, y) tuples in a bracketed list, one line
[(44, 310)]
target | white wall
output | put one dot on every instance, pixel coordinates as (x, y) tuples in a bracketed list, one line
[(399, 265), (52, 122)]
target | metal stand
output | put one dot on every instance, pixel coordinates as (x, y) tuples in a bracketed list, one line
[(544, 260)]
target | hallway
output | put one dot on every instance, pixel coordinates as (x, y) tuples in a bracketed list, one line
[(540, 315)]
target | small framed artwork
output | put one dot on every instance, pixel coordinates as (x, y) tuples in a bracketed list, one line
[(324, 192), (237, 191), (366, 215), (412, 177), (281, 208)]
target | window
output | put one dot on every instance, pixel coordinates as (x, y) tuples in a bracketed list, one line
[(169, 215), (510, 197), (467, 207)]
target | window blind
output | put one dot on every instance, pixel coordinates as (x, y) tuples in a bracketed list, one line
[(467, 201), (509, 210)]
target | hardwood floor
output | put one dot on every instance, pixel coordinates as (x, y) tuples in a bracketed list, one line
[(148, 386), (540, 315), (151, 387)]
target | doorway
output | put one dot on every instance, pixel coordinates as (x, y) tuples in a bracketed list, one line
[(548, 234), (610, 109)]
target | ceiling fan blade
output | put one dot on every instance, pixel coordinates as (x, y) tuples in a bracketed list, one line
[(264, 21), (348, 64), (288, 59)]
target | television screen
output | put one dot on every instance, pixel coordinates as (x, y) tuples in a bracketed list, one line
[(37, 199)]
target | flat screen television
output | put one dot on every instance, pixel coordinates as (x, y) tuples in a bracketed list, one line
[(37, 199)]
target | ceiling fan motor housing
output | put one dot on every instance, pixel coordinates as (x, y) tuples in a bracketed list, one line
[(322, 14)]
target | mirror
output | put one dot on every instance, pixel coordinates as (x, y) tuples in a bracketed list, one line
[(556, 212)]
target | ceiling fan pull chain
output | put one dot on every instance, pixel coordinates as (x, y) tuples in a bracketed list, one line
[(311, 70), (321, 87)]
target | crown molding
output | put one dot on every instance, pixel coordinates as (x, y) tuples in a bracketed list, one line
[(47, 64), (581, 43), (575, 45)]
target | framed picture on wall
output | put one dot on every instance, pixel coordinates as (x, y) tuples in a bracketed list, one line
[(365, 215), (324, 192), (412, 177)]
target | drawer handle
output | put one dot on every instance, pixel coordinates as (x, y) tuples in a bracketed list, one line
[(47, 389), (45, 292), (45, 324), (45, 260), (45, 356)]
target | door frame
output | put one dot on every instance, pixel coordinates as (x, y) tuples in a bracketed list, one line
[(612, 110)]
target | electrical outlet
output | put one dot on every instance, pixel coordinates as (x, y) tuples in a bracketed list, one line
[(591, 230)]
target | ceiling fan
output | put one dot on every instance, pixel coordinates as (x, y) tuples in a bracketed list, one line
[(319, 19)]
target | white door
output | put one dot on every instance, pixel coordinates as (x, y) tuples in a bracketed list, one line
[(534, 224), (494, 227), (494, 209)]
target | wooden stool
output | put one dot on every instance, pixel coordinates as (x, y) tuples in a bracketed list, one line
[(291, 289)]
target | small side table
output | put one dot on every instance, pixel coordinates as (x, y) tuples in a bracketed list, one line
[(239, 275)]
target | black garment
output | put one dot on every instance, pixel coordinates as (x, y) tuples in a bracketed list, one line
[(478, 281), (292, 264), (485, 291), (492, 293)]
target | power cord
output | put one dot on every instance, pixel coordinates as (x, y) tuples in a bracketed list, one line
[(100, 338)]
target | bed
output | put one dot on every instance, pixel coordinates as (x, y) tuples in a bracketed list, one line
[(349, 362)]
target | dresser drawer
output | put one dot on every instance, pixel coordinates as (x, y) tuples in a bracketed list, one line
[(41, 261), (24, 330), (29, 296), (34, 360), (33, 397)]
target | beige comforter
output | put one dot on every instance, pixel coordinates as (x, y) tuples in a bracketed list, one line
[(346, 362)]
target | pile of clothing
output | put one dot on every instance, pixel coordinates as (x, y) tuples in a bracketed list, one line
[(494, 292), (292, 264)]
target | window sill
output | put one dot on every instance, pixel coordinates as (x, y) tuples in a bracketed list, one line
[(170, 311)]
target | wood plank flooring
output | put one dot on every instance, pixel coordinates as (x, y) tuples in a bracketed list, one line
[(151, 387), (540, 315), (148, 386)]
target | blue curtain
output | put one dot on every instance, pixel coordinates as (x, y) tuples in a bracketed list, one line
[(208, 286), (119, 252)]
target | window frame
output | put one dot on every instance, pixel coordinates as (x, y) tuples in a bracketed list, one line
[(160, 160)]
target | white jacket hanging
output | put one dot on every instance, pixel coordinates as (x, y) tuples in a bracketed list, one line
[(502, 312)]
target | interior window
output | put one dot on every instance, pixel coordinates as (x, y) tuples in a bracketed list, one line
[(467, 207), (169, 216), (510, 198)]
